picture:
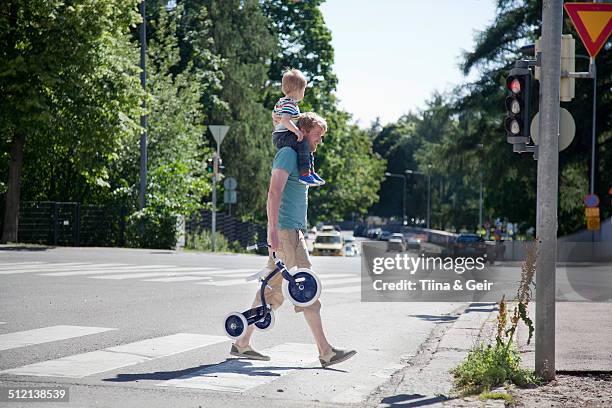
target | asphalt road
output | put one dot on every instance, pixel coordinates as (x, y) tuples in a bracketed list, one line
[(137, 328)]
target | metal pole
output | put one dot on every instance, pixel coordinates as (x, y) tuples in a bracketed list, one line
[(593, 139), (143, 117), (404, 201), (214, 199), (547, 188), (480, 203), (428, 201)]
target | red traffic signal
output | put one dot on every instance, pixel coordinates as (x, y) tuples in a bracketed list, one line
[(518, 103)]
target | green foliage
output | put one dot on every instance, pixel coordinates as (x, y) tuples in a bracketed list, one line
[(496, 396), (202, 241), (487, 367), (151, 229)]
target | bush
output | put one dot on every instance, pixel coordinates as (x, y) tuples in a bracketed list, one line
[(487, 367), (151, 230), (202, 241)]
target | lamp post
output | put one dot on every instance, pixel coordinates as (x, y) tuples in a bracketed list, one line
[(403, 194), (428, 191)]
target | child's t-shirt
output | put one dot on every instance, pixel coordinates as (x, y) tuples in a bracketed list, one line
[(284, 106)]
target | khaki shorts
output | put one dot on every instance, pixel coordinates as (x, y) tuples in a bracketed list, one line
[(293, 252)]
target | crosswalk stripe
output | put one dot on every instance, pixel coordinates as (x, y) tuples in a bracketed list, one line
[(148, 275), (82, 365), (45, 335), (95, 271), (7, 264), (240, 375), (324, 278), (179, 279), (348, 289), (52, 268), (42, 268), (2, 322), (339, 281)]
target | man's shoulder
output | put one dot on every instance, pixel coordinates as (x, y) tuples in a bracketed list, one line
[(285, 158)]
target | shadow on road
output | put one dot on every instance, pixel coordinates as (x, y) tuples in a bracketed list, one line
[(437, 318), (400, 400), (23, 248), (231, 365)]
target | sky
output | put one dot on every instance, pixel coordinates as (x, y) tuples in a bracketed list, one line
[(391, 55)]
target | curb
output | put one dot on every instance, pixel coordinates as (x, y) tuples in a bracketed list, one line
[(427, 380)]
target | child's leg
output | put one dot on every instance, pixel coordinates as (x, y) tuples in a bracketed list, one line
[(304, 155)]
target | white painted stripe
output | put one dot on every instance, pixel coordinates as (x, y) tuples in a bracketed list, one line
[(171, 272), (240, 375), (178, 279), (2, 322), (82, 365), (235, 282), (43, 265), (110, 270), (358, 392), (45, 335), (41, 268), (6, 264), (48, 268), (348, 289), (339, 281)]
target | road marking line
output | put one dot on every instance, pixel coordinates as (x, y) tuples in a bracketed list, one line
[(171, 272), (41, 268), (83, 365), (96, 271), (8, 264), (178, 279), (360, 391), (45, 335), (324, 279), (2, 322), (240, 375), (52, 268), (348, 289)]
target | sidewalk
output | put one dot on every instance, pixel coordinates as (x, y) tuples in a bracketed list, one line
[(426, 380), (583, 352)]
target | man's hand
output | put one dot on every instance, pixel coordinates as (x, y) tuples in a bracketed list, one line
[(273, 239)]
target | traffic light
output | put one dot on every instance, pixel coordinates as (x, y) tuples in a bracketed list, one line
[(210, 165), (518, 104)]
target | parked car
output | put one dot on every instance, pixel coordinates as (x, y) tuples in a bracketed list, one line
[(328, 243), (469, 245), (396, 243), (350, 242), (385, 235)]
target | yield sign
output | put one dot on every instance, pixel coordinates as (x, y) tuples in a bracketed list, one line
[(218, 132), (593, 21)]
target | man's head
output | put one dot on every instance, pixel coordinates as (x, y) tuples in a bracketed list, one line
[(294, 84), (314, 127)]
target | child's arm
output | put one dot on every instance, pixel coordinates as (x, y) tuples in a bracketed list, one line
[(286, 121)]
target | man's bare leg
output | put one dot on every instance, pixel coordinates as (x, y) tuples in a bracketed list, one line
[(313, 318), (246, 340)]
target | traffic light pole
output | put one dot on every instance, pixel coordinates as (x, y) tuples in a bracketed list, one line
[(547, 188)]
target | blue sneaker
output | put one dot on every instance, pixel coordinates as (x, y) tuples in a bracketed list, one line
[(308, 180), (317, 178)]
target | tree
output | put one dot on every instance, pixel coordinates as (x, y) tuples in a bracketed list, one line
[(45, 94)]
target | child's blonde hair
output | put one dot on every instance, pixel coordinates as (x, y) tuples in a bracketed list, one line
[(309, 120), (293, 80)]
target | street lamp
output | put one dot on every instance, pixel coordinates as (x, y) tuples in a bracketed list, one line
[(403, 194), (428, 190)]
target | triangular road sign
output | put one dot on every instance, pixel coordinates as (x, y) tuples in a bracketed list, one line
[(218, 132), (593, 21)]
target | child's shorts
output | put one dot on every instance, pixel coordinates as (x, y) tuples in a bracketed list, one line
[(285, 139), (293, 252)]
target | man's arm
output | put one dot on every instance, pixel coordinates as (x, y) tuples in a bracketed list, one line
[(277, 185)]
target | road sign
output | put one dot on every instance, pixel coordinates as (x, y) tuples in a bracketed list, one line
[(593, 21), (218, 132), (593, 223), (567, 128), (230, 197), (230, 183), (591, 212), (591, 200)]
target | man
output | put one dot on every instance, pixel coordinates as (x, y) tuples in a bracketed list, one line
[(287, 208)]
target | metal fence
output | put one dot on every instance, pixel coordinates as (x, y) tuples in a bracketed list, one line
[(231, 228), (71, 224)]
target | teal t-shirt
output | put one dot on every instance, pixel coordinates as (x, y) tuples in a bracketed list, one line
[(294, 201)]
